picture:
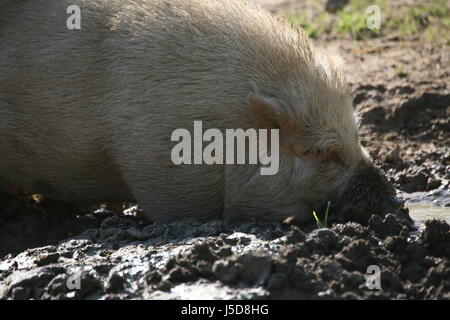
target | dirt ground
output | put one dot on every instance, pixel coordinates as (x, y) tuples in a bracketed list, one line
[(401, 87)]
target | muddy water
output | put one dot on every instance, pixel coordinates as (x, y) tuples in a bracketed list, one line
[(428, 205)]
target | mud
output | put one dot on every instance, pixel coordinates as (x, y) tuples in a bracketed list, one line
[(51, 250), (123, 258)]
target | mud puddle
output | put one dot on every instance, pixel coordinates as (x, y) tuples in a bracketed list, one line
[(425, 206)]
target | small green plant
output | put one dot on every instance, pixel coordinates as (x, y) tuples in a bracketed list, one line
[(323, 224), (401, 72)]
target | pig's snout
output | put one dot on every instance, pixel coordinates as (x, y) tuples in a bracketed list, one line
[(367, 193)]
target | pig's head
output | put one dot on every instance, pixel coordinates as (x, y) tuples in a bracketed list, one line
[(321, 158)]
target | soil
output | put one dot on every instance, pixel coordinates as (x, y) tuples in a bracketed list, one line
[(120, 257), (51, 250)]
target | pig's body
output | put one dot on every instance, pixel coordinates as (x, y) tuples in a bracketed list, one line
[(88, 114)]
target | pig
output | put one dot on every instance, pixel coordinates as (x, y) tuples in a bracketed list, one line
[(87, 114)]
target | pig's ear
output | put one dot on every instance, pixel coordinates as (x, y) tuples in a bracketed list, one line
[(268, 113), (264, 112)]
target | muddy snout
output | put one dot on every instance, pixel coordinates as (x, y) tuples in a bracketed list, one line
[(361, 209), (366, 194)]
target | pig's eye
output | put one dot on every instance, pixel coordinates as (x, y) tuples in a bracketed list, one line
[(324, 156), (329, 156)]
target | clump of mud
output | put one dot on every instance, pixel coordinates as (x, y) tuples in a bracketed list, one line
[(120, 257), (25, 223)]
